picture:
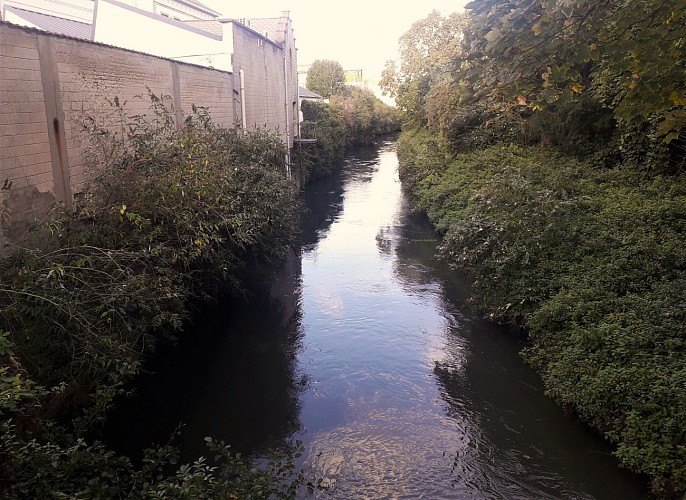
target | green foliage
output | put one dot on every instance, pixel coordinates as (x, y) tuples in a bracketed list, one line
[(576, 125), (427, 51), (592, 263), (594, 78), (87, 471), (354, 117), (327, 126), (542, 49), (325, 77), (171, 216), (365, 115)]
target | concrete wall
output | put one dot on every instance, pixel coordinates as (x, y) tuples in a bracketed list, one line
[(271, 76), (262, 64), (25, 157), (50, 86), (291, 57)]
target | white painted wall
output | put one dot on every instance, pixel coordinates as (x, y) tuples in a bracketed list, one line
[(76, 10), (116, 23)]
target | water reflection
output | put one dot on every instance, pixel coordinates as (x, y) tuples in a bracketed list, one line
[(526, 446), (361, 348), (234, 380), (409, 397), (323, 198)]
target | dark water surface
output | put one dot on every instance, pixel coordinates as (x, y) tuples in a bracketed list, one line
[(364, 349)]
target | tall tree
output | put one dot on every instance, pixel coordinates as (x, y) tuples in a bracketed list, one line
[(326, 77), (427, 51), (535, 50)]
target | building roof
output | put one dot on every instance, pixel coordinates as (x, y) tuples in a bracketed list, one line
[(45, 22), (308, 94), (211, 26), (272, 28), (201, 6)]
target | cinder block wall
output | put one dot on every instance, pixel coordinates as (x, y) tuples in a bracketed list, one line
[(51, 85), (263, 65), (25, 159)]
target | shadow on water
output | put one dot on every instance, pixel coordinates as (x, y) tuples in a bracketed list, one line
[(233, 374), (233, 378)]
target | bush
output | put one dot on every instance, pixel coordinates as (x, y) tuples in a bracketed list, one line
[(592, 262), (473, 126), (578, 126), (365, 115), (172, 216), (324, 123), (355, 117)]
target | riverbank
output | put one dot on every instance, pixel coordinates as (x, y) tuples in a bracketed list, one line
[(392, 385), (592, 263), (172, 217)]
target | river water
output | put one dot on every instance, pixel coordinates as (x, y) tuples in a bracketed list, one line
[(365, 350)]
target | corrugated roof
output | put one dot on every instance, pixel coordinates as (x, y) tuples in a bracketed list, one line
[(211, 26), (45, 22)]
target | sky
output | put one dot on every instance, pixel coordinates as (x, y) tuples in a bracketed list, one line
[(359, 34)]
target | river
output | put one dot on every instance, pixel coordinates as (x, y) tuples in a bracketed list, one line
[(365, 350)]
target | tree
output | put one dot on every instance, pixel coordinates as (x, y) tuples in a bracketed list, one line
[(427, 51), (533, 51), (326, 77)]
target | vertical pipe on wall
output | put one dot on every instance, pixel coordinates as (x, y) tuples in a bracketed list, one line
[(54, 114), (287, 108), (244, 119), (176, 86)]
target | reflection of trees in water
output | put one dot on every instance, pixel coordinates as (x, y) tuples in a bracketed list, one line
[(233, 378), (323, 198), (414, 245), (361, 163), (520, 441)]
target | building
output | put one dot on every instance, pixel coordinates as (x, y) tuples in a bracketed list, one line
[(62, 62), (20, 11), (261, 53)]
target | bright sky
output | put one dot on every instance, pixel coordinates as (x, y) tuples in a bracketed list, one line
[(359, 34)]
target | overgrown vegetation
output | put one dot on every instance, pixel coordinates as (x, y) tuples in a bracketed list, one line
[(326, 78), (546, 143), (172, 217), (354, 116)]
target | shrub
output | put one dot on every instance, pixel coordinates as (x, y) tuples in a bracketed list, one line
[(365, 115), (327, 126), (171, 216), (592, 262)]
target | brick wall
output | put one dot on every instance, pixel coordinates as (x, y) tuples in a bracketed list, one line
[(49, 87)]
